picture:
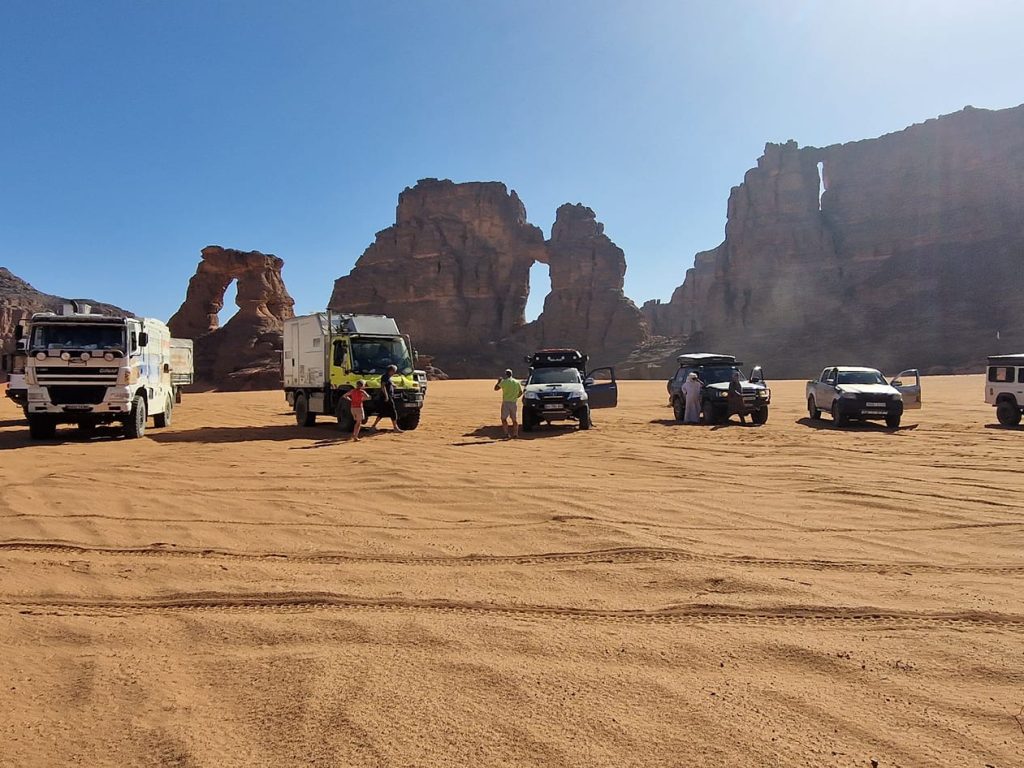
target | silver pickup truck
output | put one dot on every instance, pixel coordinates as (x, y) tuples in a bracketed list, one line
[(850, 393)]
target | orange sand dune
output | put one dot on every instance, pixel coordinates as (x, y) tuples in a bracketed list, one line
[(238, 591)]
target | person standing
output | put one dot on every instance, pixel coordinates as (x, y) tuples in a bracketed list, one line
[(691, 391), (511, 391), (356, 397), (386, 405), (736, 405)]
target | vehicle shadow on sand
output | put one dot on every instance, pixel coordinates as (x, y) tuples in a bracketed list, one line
[(495, 434), (263, 432), (857, 426), (21, 439), (1005, 428)]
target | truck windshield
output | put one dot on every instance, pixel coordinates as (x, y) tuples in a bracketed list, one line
[(374, 355), (555, 376), (860, 377), (716, 374), (78, 336)]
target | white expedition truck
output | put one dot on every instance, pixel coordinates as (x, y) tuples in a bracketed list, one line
[(1004, 387), (88, 369), (849, 393)]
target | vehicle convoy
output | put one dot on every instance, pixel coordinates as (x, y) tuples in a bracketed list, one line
[(851, 393), (326, 353), (88, 369), (715, 372), (559, 388), (1004, 387)]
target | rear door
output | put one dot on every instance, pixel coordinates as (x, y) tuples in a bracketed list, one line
[(908, 383), (602, 390)]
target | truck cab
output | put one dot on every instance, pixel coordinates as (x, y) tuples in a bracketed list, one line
[(326, 353), (1004, 387), (850, 393), (559, 388), (715, 371), (87, 369)]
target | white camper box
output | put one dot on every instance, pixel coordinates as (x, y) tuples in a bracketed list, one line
[(182, 373)]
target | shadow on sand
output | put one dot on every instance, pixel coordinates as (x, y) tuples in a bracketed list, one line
[(495, 434), (856, 426), (1003, 427), (262, 432)]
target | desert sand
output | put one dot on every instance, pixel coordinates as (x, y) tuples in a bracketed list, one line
[(237, 591)]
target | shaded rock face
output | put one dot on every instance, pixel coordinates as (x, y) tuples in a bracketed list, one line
[(246, 352), (454, 269), (19, 300), (912, 257), (586, 308)]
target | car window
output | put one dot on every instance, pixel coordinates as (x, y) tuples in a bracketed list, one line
[(1001, 374)]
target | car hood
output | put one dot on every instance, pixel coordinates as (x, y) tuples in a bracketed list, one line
[(747, 386), (867, 389), (554, 389)]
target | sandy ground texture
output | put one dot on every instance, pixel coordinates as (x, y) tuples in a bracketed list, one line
[(234, 590)]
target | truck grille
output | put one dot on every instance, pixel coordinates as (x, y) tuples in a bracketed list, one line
[(81, 394), (59, 375)]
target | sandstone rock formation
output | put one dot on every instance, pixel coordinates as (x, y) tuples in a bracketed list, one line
[(586, 307), (912, 256), (454, 269), (246, 352)]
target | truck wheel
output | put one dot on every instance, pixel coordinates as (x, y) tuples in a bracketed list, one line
[(303, 417), (838, 417), (344, 415), (42, 428), (812, 409), (177, 395), (679, 408), (162, 420), (760, 416), (1008, 413), (86, 428), (135, 424), (409, 421), (584, 418), (893, 422), (528, 421)]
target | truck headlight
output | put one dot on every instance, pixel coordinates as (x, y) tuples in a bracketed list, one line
[(723, 394), (898, 397), (577, 395), (848, 395), (531, 396), (762, 393)]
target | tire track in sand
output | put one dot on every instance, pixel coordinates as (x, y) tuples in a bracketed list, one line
[(262, 602), (615, 555)]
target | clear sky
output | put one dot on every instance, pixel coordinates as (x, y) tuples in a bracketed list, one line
[(134, 133)]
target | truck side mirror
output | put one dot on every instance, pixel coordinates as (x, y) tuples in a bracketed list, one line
[(588, 383), (143, 339), (19, 332), (895, 383), (756, 375)]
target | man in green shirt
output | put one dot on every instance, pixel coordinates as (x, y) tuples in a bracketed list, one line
[(511, 391)]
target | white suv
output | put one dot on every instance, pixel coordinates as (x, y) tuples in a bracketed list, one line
[(1004, 387)]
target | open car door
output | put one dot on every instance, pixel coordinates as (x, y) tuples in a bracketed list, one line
[(602, 391), (909, 385)]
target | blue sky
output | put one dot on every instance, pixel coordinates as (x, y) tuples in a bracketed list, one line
[(135, 133)]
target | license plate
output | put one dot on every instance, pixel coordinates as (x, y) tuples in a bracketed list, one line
[(413, 405), (873, 413), (77, 407), (552, 407), (876, 405)]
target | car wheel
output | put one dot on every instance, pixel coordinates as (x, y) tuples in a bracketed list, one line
[(839, 419), (135, 424), (1008, 414), (303, 417), (679, 408), (812, 409)]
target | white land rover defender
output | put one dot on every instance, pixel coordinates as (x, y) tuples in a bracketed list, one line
[(1004, 387)]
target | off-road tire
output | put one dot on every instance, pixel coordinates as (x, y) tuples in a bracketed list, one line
[(528, 421), (303, 416), (135, 424), (584, 418), (893, 422), (177, 395), (812, 408), (679, 408), (1008, 413), (42, 428), (760, 415), (161, 420), (86, 428), (409, 421), (343, 413), (837, 417)]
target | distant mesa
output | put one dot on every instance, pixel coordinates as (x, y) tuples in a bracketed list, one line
[(246, 352)]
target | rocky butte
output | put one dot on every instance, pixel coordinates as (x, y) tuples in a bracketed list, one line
[(911, 256), (246, 352)]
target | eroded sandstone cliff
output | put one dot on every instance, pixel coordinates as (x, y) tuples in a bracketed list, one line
[(912, 256), (246, 352)]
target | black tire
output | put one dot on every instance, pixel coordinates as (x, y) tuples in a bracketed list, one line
[(135, 424), (893, 422), (177, 395), (86, 428), (584, 418), (529, 422), (343, 412), (162, 420), (812, 408), (760, 415), (679, 408), (1008, 413), (839, 419), (42, 428), (303, 417), (409, 421)]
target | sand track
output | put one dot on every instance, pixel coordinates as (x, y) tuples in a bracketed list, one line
[(237, 591)]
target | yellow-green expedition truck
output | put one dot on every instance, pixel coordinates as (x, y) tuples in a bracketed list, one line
[(326, 353)]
